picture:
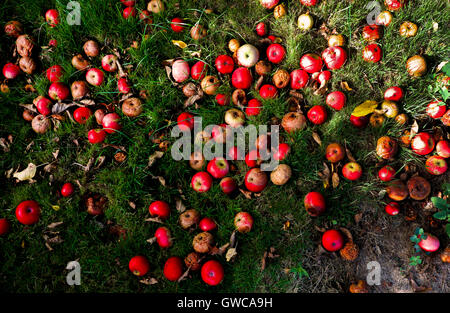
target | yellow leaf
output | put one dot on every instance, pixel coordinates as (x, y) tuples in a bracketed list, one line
[(230, 254), (179, 43), (365, 108), (23, 244), (56, 207), (26, 174)]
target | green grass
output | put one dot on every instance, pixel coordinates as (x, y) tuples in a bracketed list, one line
[(104, 259)]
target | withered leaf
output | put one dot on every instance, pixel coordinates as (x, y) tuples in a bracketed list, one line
[(156, 155), (54, 225), (345, 86), (246, 193), (233, 239), (316, 138), (349, 154), (180, 206), (154, 220), (148, 281), (192, 99), (335, 180), (60, 107), (358, 217), (231, 253), (26, 174), (259, 82), (414, 129), (30, 107), (347, 233), (151, 240), (263, 261)]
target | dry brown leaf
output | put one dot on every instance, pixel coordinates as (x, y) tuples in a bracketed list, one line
[(349, 154), (246, 193), (316, 138), (335, 180), (26, 174), (345, 86), (148, 281), (132, 205), (192, 99), (152, 159), (414, 129), (180, 206), (259, 82), (54, 225), (231, 253), (154, 220), (30, 107), (320, 229), (60, 107), (347, 233), (151, 240), (263, 261), (358, 217), (233, 239), (101, 160), (55, 154), (286, 225)]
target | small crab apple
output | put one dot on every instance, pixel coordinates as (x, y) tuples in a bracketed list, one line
[(255, 180), (305, 22), (334, 57), (128, 3), (228, 185), (54, 73), (395, 5), (393, 94), (371, 32), (4, 226), (224, 64), (247, 55), (96, 136), (253, 107), (436, 165), (207, 224), (111, 123), (82, 114), (173, 268), (234, 118), (443, 148), (243, 222), (332, 240), (222, 99), (261, 29), (251, 159), (359, 121), (129, 12), (79, 62), (384, 18), (268, 91), (352, 171), (44, 106), (334, 152), (280, 153), (436, 109), (275, 53), (423, 143), (163, 237), (160, 209), (109, 63), (123, 85), (386, 173), (180, 70), (299, 79), (58, 91), (372, 53), (212, 271), (99, 115), (52, 17), (336, 100), (201, 182), (185, 121), (241, 78), (79, 89), (309, 3), (13, 28), (139, 265), (430, 244), (218, 167), (11, 71), (311, 63), (198, 70), (177, 24), (324, 77), (269, 4), (67, 190), (95, 77), (28, 212), (392, 208), (317, 114), (314, 203)]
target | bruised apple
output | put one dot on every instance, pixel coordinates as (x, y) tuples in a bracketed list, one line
[(386, 147), (281, 174), (419, 188), (243, 222), (203, 242), (189, 218), (314, 203), (397, 190), (255, 180), (293, 121)]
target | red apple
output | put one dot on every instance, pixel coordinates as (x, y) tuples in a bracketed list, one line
[(224, 64), (123, 86), (11, 71), (394, 5), (251, 159), (309, 3), (430, 244), (111, 123), (4, 226), (436, 165), (317, 114), (352, 171), (201, 182), (228, 185), (332, 240), (372, 53), (109, 63), (436, 109), (28, 212), (443, 148), (139, 265), (44, 106), (386, 173), (128, 3), (177, 25), (222, 99), (282, 152), (79, 89), (392, 208), (371, 32), (261, 29), (67, 190), (52, 17), (241, 78), (82, 114), (255, 180), (54, 73), (173, 268), (218, 167), (243, 222), (185, 121), (180, 71), (95, 77), (334, 152), (334, 57), (163, 237), (336, 100), (359, 121), (311, 63), (219, 133), (96, 136), (393, 94), (314, 203), (207, 224), (212, 273), (299, 79), (253, 107), (269, 4), (275, 53), (234, 154), (58, 91), (422, 143), (198, 70), (324, 77), (160, 209), (129, 11), (268, 91)]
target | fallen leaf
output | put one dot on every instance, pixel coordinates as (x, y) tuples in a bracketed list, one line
[(414, 129), (180, 206), (154, 157), (246, 193), (60, 107), (26, 174), (154, 219), (263, 261), (233, 239), (335, 180), (185, 275), (358, 217), (349, 154), (286, 225), (179, 43), (132, 204), (101, 160), (55, 154), (365, 108), (231, 253), (55, 207), (259, 82), (29, 146), (151, 240), (30, 107), (345, 86), (54, 225), (148, 281), (316, 138)]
